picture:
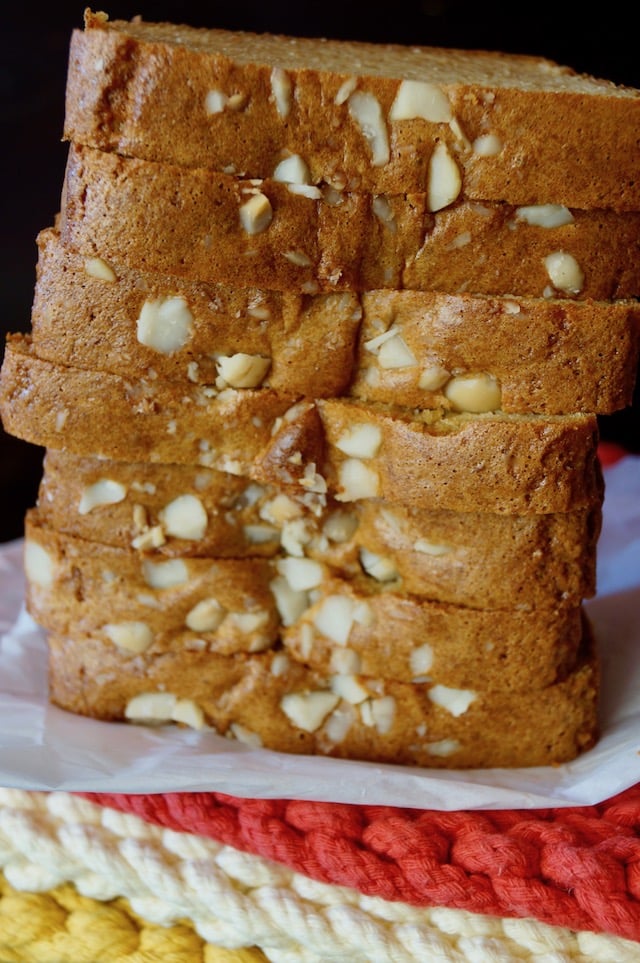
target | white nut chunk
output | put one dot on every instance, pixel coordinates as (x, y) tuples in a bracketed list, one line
[(336, 614), (308, 710), (564, 272), (474, 392), (302, 574), (443, 747), (421, 660), (417, 98), (445, 179), (487, 145), (455, 701), (281, 89), (215, 101), (256, 214), (134, 637), (345, 662), (243, 370), (205, 616), (367, 113), (246, 736), (357, 481), (377, 566), (248, 622), (360, 441), (379, 713), (433, 377), (162, 575), (292, 170), (188, 713), (151, 707), (426, 547), (155, 708), (38, 564), (165, 325), (349, 689), (260, 534), (185, 517), (98, 268), (395, 353), (290, 603), (103, 492), (545, 215), (340, 526), (345, 90)]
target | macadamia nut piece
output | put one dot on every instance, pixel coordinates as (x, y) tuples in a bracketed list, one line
[(103, 492)]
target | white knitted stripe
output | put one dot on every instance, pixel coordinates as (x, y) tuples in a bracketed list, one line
[(237, 899)]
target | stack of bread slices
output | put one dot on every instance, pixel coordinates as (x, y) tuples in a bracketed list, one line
[(319, 343)]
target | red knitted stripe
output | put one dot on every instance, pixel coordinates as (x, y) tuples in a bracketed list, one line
[(574, 867), (609, 453)]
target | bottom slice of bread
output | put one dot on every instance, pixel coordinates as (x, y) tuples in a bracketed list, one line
[(269, 701)]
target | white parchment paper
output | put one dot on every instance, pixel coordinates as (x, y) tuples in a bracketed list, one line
[(45, 748)]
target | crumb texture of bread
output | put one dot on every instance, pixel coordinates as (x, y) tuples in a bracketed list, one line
[(477, 559), (522, 355), (494, 462), (190, 223), (142, 605)]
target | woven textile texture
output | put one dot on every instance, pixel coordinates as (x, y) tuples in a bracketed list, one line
[(235, 900), (61, 926), (573, 867)]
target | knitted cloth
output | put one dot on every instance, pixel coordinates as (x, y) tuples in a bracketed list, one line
[(237, 899), (573, 867), (62, 926)]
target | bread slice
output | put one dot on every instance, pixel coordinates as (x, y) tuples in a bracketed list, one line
[(165, 511), (134, 419), (476, 559), (480, 559), (512, 464), (111, 317), (137, 603), (354, 627), (422, 349), (214, 227), (267, 699), (363, 116), (143, 605)]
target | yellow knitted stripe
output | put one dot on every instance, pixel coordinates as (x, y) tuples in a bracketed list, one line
[(62, 926)]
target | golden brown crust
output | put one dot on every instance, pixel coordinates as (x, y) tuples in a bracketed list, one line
[(547, 355), (186, 222), (242, 695), (566, 139)]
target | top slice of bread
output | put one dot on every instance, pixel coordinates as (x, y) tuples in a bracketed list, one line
[(359, 116)]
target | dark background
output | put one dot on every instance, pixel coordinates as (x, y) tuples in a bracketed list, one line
[(32, 82)]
